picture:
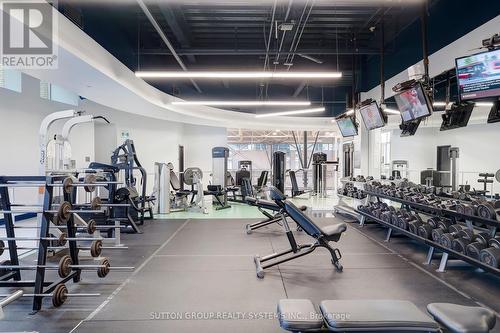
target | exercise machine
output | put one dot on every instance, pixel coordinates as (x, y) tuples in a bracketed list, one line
[(319, 174), (218, 188), (322, 236), (125, 159), (279, 169)]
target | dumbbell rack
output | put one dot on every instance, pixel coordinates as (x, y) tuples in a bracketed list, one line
[(433, 246), (13, 277), (348, 205)]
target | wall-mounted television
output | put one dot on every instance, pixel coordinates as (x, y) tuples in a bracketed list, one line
[(372, 116), (347, 126), (458, 116), (409, 128), (413, 103), (478, 75)]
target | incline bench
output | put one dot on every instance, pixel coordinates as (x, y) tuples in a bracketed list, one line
[(262, 204), (322, 235), (299, 315)]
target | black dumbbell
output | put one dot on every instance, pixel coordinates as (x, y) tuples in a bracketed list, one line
[(414, 225), (441, 228), (455, 231), (403, 222), (488, 210), (480, 243), (491, 255), (460, 243), (396, 215), (425, 230)]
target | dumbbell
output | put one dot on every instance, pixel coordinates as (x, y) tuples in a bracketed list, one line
[(460, 243), (425, 229), (488, 210), (491, 255), (414, 225), (480, 243), (455, 231), (442, 227), (403, 223), (402, 213)]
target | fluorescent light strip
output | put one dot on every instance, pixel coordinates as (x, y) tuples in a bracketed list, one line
[(243, 103), (288, 113), (239, 75), (391, 111), (486, 104), (439, 104)]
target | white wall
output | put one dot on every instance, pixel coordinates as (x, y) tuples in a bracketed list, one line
[(155, 140), (478, 144), (198, 142)]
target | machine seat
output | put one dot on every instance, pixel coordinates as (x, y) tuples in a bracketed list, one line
[(375, 315), (462, 319), (333, 229)]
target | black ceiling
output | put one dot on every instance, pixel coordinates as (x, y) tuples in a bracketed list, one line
[(233, 34)]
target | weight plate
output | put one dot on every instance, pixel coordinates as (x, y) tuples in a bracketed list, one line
[(96, 203), (96, 248), (91, 227), (64, 269), (59, 295), (63, 213), (89, 179), (103, 271), (68, 184)]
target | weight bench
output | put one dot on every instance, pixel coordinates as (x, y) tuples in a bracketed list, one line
[(299, 315), (262, 205), (217, 192), (322, 235)]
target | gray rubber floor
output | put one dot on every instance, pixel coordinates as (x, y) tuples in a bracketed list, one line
[(189, 272)]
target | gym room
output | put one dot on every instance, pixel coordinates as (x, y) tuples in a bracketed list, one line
[(249, 166)]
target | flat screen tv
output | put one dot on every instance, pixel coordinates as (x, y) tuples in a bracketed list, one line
[(458, 116), (478, 75), (413, 103), (372, 116), (347, 126)]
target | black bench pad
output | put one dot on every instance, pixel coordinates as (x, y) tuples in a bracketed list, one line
[(375, 315), (462, 319)]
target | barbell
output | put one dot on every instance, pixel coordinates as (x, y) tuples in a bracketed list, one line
[(65, 267), (89, 184), (63, 213), (95, 248), (59, 295)]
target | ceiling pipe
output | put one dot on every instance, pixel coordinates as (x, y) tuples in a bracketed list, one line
[(301, 32), (165, 39), (425, 44), (284, 31)]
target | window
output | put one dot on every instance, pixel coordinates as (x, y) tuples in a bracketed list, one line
[(11, 79), (385, 148), (57, 93)]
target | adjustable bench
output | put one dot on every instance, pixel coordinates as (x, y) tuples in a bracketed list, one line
[(299, 315), (322, 235), (262, 205)]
